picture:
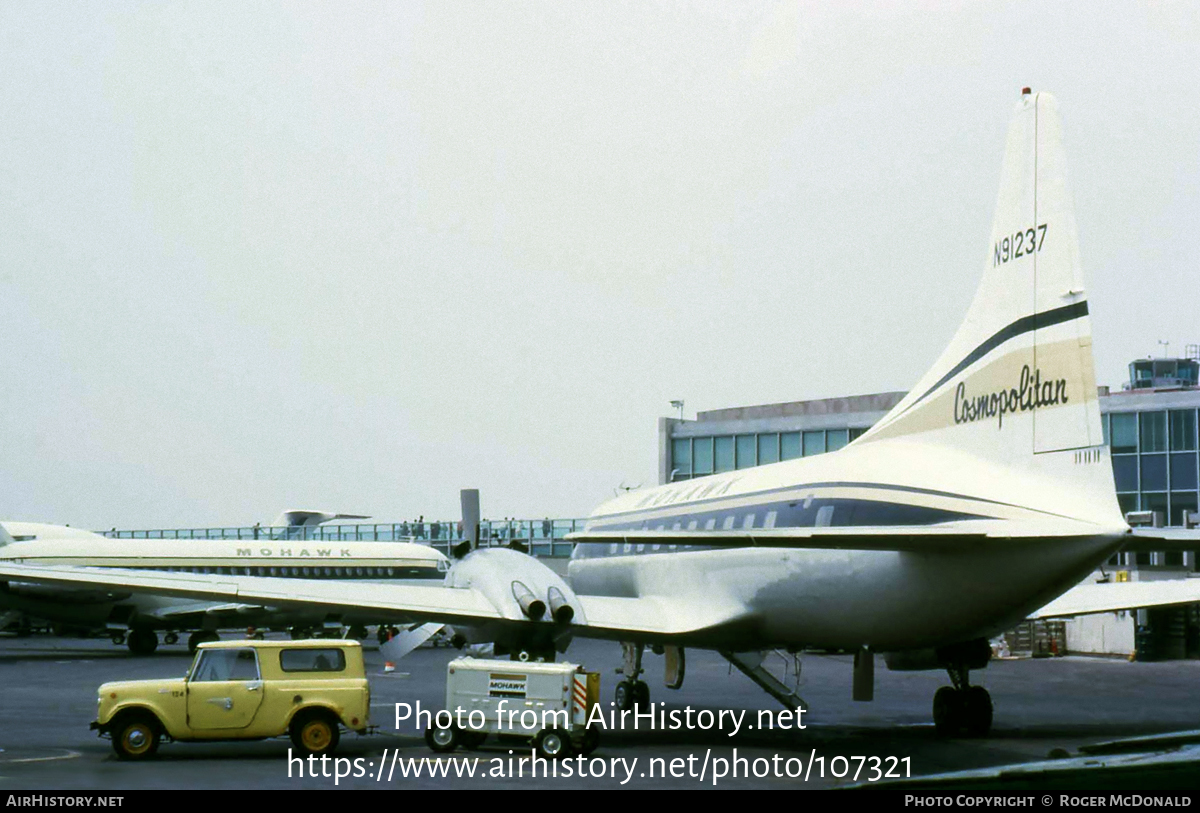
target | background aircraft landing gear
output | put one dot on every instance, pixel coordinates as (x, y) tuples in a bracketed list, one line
[(142, 641), (962, 707), (171, 638), (201, 637)]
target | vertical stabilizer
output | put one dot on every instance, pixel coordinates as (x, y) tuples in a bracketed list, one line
[(1017, 384)]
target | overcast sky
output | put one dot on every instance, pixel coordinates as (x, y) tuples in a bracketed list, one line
[(357, 256)]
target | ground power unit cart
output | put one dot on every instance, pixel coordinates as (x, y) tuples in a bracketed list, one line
[(547, 704)]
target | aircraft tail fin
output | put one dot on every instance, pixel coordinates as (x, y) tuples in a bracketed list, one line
[(1016, 385)]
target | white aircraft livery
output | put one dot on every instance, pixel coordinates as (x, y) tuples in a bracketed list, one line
[(983, 495), (135, 618)]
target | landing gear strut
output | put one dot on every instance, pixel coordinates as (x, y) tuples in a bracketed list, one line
[(962, 707), (631, 691)]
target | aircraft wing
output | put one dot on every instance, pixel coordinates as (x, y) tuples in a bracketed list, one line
[(1112, 596), (656, 617), (601, 617)]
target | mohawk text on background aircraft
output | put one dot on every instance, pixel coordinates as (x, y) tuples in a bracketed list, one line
[(985, 493)]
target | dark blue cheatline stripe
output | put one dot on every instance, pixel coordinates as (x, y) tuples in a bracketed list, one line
[(1023, 325), (799, 513), (830, 484)]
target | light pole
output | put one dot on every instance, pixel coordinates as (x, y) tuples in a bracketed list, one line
[(678, 405)]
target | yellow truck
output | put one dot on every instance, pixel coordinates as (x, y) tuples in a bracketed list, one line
[(243, 690)]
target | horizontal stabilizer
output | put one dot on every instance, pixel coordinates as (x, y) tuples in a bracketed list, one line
[(1147, 540), (1113, 596)]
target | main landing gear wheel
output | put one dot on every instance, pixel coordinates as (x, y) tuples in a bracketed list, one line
[(171, 638), (967, 710), (632, 692)]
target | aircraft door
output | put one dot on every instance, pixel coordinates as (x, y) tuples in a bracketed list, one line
[(224, 690)]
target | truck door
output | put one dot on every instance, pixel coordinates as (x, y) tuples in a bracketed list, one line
[(224, 690)]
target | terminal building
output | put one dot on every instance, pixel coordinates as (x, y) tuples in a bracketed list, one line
[(1150, 425)]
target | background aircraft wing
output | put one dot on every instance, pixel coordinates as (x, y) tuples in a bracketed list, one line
[(415, 602), (1112, 596)]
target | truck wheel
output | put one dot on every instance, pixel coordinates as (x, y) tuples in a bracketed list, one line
[(552, 744), (135, 736), (442, 740), (315, 733)]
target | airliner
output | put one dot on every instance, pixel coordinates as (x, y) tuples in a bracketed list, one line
[(984, 494), (136, 618)]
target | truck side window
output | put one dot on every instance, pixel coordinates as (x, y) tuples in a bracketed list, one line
[(226, 664), (312, 660)]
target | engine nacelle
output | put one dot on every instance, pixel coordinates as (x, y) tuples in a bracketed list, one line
[(520, 588)]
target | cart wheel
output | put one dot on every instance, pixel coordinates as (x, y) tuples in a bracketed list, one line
[(442, 740), (552, 744)]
